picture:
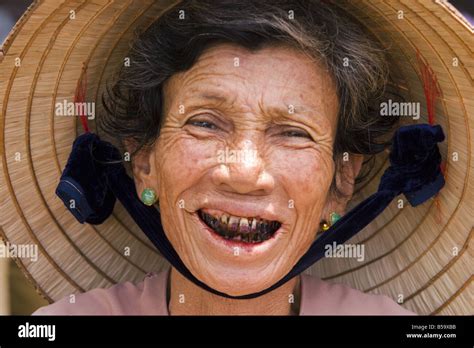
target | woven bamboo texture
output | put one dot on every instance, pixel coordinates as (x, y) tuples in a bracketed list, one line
[(423, 254)]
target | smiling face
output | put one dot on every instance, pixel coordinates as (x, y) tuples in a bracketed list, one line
[(243, 163)]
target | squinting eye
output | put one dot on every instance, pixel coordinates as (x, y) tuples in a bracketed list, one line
[(203, 124), (298, 134)]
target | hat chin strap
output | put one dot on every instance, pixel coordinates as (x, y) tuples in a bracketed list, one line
[(94, 178)]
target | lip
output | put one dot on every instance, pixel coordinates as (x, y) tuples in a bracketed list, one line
[(247, 209), (229, 246)]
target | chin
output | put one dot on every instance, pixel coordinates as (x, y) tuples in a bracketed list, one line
[(238, 282)]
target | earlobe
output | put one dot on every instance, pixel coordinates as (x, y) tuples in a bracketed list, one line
[(357, 161), (144, 170), (344, 181), (141, 164), (345, 178)]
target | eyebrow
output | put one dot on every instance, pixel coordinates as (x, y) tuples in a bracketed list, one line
[(212, 96), (282, 110), (209, 97), (279, 112), (301, 112)]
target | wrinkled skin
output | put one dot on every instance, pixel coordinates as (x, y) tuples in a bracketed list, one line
[(280, 105)]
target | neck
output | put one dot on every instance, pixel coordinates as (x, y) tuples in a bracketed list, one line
[(186, 298)]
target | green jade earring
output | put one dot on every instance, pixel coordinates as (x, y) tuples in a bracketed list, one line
[(148, 196)]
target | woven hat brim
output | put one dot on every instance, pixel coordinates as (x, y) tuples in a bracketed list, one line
[(422, 254)]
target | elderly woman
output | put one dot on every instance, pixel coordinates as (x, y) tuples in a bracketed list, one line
[(248, 124)]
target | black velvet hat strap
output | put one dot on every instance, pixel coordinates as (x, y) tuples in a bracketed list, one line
[(94, 176)]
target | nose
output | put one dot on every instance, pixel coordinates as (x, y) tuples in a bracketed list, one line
[(243, 167)]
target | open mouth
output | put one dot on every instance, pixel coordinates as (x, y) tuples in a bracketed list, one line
[(240, 229)]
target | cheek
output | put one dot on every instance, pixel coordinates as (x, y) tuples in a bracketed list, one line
[(182, 162), (305, 174)]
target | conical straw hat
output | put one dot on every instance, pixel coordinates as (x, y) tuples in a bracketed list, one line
[(420, 257)]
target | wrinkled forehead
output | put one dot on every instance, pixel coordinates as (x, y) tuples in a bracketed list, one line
[(274, 77)]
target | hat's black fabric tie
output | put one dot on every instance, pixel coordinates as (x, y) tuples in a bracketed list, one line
[(95, 177)]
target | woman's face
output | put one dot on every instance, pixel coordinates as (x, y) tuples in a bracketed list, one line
[(243, 163)]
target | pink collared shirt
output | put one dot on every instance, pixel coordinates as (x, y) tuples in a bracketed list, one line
[(149, 298)]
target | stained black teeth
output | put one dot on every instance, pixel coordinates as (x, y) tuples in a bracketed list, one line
[(249, 230)]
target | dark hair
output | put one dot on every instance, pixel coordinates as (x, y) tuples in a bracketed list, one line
[(172, 44)]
